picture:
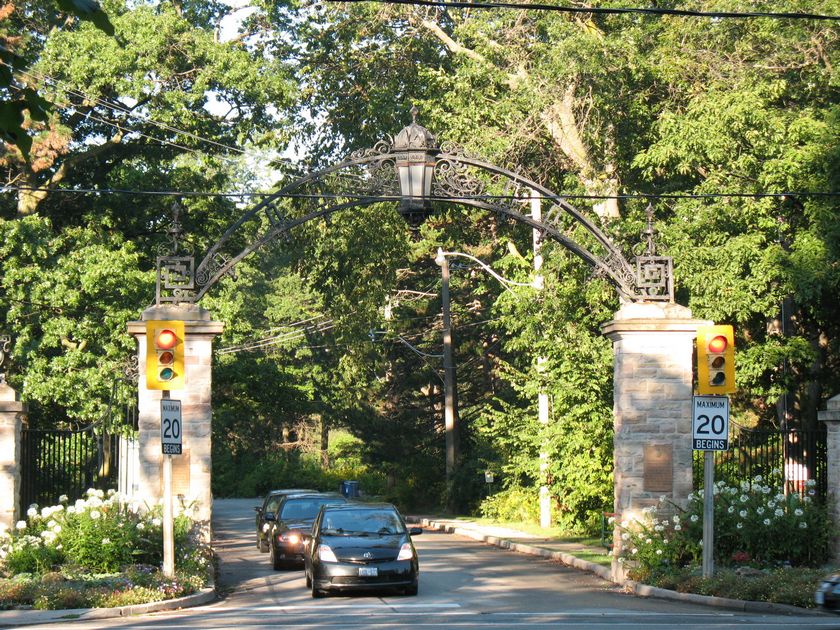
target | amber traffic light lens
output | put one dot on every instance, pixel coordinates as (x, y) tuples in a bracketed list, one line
[(166, 339), (717, 344), (165, 358), (718, 362)]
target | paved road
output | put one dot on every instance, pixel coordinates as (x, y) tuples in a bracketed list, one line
[(464, 584)]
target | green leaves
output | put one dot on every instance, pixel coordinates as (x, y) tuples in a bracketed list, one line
[(88, 10)]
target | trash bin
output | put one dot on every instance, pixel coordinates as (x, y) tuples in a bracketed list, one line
[(349, 489)]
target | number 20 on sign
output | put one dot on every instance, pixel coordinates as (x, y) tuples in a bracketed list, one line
[(710, 423), (170, 426)]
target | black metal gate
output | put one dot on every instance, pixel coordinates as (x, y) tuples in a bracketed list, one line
[(786, 459), (55, 463)]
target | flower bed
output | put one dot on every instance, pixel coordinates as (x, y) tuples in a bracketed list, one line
[(766, 543), (101, 551)]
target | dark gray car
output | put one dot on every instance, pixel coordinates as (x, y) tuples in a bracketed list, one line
[(267, 512), (361, 547)]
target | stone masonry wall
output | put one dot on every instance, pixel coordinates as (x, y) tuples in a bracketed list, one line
[(192, 469), (12, 417), (653, 345), (831, 417)]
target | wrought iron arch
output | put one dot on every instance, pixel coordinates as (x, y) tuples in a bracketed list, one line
[(380, 174)]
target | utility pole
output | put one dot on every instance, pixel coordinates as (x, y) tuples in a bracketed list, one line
[(450, 408), (542, 399)]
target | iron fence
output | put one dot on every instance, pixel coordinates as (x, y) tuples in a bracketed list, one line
[(56, 462), (785, 459)]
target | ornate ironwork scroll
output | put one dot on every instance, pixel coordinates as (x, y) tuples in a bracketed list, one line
[(370, 176), (654, 273)]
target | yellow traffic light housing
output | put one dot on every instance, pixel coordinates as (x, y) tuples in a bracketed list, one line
[(715, 360), (165, 354)]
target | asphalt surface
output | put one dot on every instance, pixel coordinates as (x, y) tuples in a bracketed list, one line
[(465, 582)]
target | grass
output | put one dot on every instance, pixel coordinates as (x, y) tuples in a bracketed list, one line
[(77, 589), (587, 548), (794, 586)]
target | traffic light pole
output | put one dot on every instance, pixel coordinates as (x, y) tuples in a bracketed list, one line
[(168, 519), (708, 514)]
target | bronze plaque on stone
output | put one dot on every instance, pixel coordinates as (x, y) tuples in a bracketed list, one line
[(659, 468)]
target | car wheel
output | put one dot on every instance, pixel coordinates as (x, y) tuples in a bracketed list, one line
[(262, 546), (276, 563), (308, 580), (316, 593), (412, 590)]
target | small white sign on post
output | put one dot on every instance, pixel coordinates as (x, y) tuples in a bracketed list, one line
[(710, 423), (170, 426)]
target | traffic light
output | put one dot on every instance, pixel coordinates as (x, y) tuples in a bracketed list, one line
[(165, 355), (715, 360)]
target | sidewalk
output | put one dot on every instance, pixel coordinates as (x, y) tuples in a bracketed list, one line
[(562, 551)]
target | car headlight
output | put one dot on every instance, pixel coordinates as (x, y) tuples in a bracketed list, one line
[(265, 527), (406, 552), (291, 537), (325, 554)]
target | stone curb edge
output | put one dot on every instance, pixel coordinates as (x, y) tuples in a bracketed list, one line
[(642, 590), (33, 617)]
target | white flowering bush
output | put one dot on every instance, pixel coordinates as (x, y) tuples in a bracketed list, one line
[(102, 533), (754, 525)]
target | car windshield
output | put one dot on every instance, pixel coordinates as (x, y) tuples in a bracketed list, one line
[(354, 522), (304, 508)]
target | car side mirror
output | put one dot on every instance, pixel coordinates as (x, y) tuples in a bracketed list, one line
[(415, 531)]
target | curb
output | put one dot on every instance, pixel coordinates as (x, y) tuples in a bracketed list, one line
[(503, 543), (14, 618), (641, 590)]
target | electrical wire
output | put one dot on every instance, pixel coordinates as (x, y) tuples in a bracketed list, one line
[(654, 11), (383, 198), (119, 107)]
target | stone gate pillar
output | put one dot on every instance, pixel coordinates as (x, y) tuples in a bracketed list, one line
[(653, 344), (831, 417), (191, 470), (12, 417)]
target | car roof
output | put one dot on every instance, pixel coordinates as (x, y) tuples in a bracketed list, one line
[(292, 491), (355, 505), (316, 495)]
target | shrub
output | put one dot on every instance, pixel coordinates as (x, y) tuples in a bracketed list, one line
[(512, 504), (99, 534), (754, 525)]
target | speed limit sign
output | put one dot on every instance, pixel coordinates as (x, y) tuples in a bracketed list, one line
[(170, 426), (710, 423)]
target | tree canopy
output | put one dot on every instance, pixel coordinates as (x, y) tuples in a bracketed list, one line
[(727, 128)]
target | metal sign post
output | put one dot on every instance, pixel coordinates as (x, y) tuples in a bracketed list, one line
[(710, 433), (170, 441)]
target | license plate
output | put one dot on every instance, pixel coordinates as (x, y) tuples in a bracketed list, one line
[(819, 597), (368, 571)]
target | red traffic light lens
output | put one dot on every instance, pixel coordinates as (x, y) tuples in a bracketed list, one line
[(166, 339), (717, 344)]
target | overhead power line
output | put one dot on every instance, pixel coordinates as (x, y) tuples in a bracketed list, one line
[(654, 11), (485, 197), (121, 108)]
